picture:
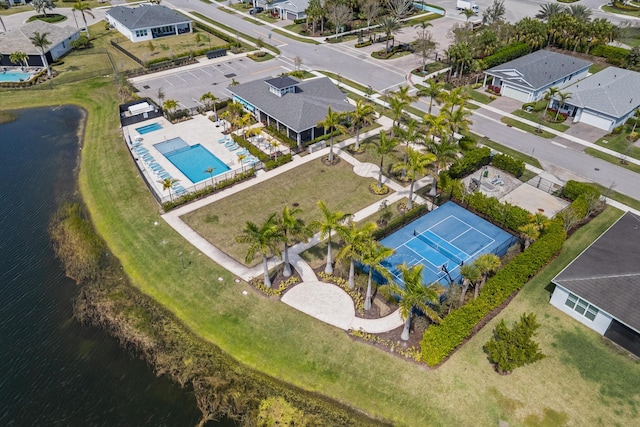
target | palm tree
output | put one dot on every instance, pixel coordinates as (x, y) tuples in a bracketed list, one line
[(434, 90), (292, 229), (470, 276), (409, 134), (19, 58), (413, 295), (445, 152), (551, 93), (437, 126), (581, 12), (40, 41), (384, 147), (373, 253), (332, 122), (354, 237), (455, 98), (210, 170), (468, 13), (209, 99), (389, 25), (83, 8), (417, 164), (167, 184), (397, 106), (263, 239), (549, 10), (362, 115), (170, 105), (331, 221), (404, 95), (529, 233), (563, 98), (458, 121), (486, 264)]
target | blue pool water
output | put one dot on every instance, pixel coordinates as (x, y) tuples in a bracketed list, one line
[(193, 161), (148, 128), (428, 8), (14, 76)]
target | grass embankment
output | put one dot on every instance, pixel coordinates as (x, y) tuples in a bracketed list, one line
[(222, 221), (527, 128), (616, 160), (581, 381)]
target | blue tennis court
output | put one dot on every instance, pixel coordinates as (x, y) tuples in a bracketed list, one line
[(192, 160), (442, 241)]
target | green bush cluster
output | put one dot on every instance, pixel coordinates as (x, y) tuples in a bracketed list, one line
[(614, 55), (508, 164), (281, 136), (621, 6), (364, 43), (574, 189), (250, 148), (505, 214), (274, 163), (471, 162), (441, 339), (506, 54), (400, 221), (189, 197)]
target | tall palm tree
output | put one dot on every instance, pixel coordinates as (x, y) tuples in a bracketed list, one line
[(263, 239), (331, 221), (455, 98), (389, 25), (529, 233), (445, 152), (486, 264), (549, 10), (333, 121), (417, 164), (40, 41), (397, 106), (458, 121), (373, 253), (437, 126), (563, 98), (434, 90), (292, 229), (167, 184), (384, 146), (209, 99), (83, 8), (413, 295), (409, 134), (581, 12), (551, 92), (470, 276), (362, 115), (404, 95), (170, 105), (354, 237), (210, 170), (19, 58)]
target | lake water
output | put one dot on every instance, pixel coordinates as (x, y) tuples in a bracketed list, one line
[(53, 371)]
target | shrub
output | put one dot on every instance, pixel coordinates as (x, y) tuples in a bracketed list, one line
[(574, 189), (441, 339), (250, 148), (400, 221), (471, 162), (272, 164), (614, 55), (505, 214), (508, 164), (506, 54), (364, 43), (512, 348)]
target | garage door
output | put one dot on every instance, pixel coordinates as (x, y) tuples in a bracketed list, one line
[(596, 121), (510, 92)]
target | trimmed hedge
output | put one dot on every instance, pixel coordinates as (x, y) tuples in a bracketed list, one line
[(506, 54), (508, 164), (272, 164), (574, 189), (614, 55), (508, 215), (439, 340), (250, 148), (471, 162), (400, 221)]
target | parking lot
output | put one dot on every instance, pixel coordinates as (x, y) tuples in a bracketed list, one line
[(187, 84)]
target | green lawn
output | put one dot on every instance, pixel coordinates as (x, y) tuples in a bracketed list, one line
[(172, 46), (581, 381), (621, 144), (222, 221), (291, 36), (506, 150), (478, 96), (527, 128), (610, 9), (536, 118), (612, 159)]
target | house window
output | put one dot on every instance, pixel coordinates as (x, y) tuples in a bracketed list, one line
[(581, 306), (141, 33)]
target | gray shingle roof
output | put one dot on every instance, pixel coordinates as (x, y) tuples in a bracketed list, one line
[(299, 111), (607, 273), (17, 40), (282, 82), (538, 69), (612, 91), (147, 16)]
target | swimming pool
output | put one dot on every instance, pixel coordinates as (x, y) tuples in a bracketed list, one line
[(148, 128), (14, 76), (191, 160)]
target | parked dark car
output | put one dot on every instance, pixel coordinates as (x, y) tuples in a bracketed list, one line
[(256, 10)]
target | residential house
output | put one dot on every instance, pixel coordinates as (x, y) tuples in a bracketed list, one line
[(293, 107), (604, 100), (286, 9), (18, 40), (601, 287), (528, 78), (147, 22)]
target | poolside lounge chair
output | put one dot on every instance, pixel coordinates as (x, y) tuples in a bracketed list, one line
[(250, 160), (230, 142), (223, 139), (233, 147), (242, 152)]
